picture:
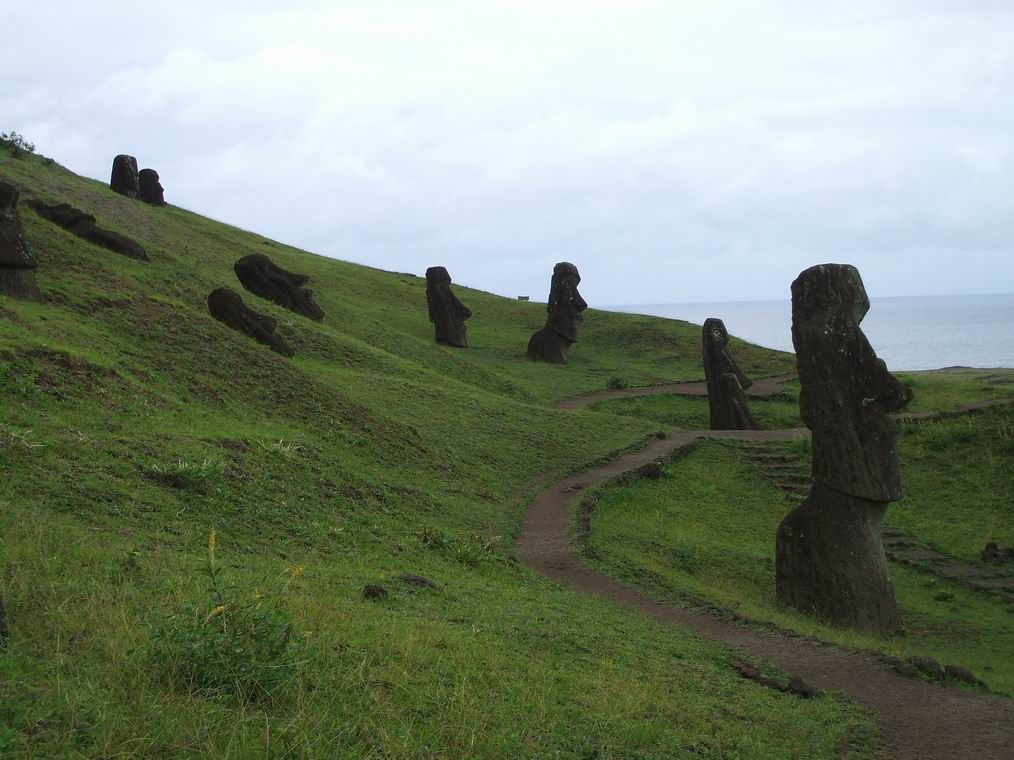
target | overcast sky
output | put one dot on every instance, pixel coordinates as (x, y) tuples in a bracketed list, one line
[(675, 151)]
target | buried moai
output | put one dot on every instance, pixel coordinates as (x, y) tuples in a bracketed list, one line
[(262, 277), (124, 179), (552, 342), (17, 262), (829, 558), (447, 313), (77, 222), (149, 188), (727, 400), (227, 306)]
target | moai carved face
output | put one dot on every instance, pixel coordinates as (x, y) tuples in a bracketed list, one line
[(262, 277), (446, 312), (846, 394), (565, 302)]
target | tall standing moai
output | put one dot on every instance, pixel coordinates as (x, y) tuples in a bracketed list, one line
[(447, 313), (124, 179), (149, 188), (829, 558), (727, 401), (17, 262), (552, 342)]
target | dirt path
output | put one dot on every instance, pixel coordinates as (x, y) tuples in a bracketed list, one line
[(917, 719), (765, 387)]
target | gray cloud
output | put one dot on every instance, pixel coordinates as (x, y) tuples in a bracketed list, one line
[(654, 144)]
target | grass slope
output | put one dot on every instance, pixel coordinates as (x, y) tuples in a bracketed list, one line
[(133, 424)]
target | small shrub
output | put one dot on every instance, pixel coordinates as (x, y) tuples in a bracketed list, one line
[(472, 552), (16, 144), (192, 476), (616, 384), (238, 645)]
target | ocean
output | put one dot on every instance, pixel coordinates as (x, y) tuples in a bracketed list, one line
[(909, 333)]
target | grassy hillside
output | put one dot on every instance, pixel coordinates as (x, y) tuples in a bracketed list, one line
[(134, 425)]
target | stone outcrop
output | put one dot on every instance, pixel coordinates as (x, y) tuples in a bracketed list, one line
[(149, 188), (727, 401), (552, 342), (124, 179), (17, 262), (829, 558), (83, 225), (227, 306), (447, 313), (264, 278)]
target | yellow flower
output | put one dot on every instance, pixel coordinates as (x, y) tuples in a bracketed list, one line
[(211, 540), (216, 611), (296, 571)]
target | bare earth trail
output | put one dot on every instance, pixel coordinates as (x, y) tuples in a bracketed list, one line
[(916, 719)]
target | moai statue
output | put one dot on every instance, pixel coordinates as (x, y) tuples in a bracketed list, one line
[(226, 305), (149, 188), (83, 225), (124, 176), (447, 313), (17, 262), (264, 278), (829, 559), (727, 400), (552, 342)]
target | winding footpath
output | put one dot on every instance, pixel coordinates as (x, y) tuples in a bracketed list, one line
[(916, 719)]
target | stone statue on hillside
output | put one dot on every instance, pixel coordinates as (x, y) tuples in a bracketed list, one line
[(264, 278), (227, 306), (150, 189), (447, 313), (84, 226), (17, 262), (124, 178), (829, 559), (552, 342), (727, 400)]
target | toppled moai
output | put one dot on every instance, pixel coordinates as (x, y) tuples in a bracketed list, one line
[(829, 558), (17, 262), (552, 342), (124, 179), (227, 306), (447, 313), (149, 188), (83, 225), (727, 401), (264, 278)]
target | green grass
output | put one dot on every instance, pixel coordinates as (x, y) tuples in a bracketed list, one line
[(134, 423), (712, 538), (946, 390)]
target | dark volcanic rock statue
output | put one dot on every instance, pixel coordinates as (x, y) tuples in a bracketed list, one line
[(829, 559), (264, 278), (123, 179), (83, 225), (17, 262), (227, 306), (727, 401), (552, 342), (150, 190), (447, 313)]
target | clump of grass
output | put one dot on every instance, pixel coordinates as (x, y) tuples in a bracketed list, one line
[(240, 645), (281, 446), (190, 476), (473, 551), (616, 383)]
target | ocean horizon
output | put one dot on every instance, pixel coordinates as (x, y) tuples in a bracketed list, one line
[(907, 332)]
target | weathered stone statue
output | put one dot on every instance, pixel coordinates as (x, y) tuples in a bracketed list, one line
[(83, 225), (149, 188), (227, 306), (729, 407), (447, 313), (124, 176), (552, 342), (264, 278), (829, 559), (17, 262)]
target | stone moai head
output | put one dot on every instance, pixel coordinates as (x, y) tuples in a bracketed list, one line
[(846, 394), (227, 306), (565, 302), (17, 262), (715, 353), (446, 312), (262, 277), (150, 188), (124, 178)]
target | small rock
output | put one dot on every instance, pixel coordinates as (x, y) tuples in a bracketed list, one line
[(927, 666), (801, 688), (994, 553), (419, 582), (373, 591), (661, 435), (651, 470)]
